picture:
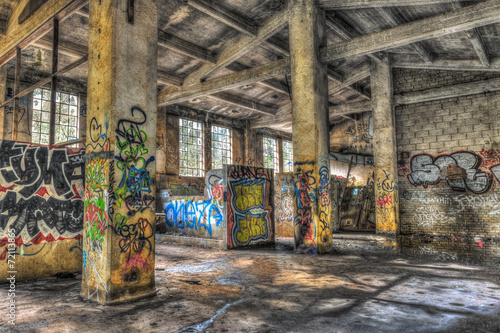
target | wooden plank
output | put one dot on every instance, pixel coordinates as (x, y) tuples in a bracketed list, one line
[(36, 26), (224, 15), (458, 90), (344, 30), (238, 47), (395, 18), (53, 86), (169, 78), (184, 47), (467, 18), (476, 40), (466, 65), (350, 108), (46, 80), (65, 48), (17, 87), (172, 95), (356, 76), (358, 4), (243, 103)]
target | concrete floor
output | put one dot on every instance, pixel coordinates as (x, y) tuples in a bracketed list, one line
[(275, 290)]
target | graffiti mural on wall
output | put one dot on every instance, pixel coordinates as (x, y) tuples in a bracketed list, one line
[(285, 191), (427, 170), (23, 114), (249, 195), (41, 192), (215, 187), (192, 214), (184, 189)]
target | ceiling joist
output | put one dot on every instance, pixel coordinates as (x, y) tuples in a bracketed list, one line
[(172, 95), (359, 4), (463, 19)]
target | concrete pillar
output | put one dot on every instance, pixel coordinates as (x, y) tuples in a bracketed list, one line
[(384, 149), (250, 145), (312, 220), (119, 244), (3, 93)]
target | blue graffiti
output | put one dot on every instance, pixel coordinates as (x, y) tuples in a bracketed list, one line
[(193, 215), (84, 259)]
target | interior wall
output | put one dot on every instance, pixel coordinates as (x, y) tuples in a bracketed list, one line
[(41, 207), (353, 136), (449, 168)]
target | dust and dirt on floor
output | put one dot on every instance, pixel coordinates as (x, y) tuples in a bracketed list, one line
[(274, 289)]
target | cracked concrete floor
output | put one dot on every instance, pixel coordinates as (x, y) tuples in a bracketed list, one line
[(275, 290)]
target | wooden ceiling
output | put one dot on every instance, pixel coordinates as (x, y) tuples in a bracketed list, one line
[(197, 37)]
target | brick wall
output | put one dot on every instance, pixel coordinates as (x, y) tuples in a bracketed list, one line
[(431, 136)]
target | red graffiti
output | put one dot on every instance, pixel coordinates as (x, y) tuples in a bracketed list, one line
[(217, 192), (384, 200), (403, 170), (5, 189), (490, 157), (136, 260), (42, 191)]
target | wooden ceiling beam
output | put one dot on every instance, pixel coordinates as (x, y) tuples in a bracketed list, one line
[(172, 95), (467, 18), (169, 79), (356, 76), (36, 26), (359, 4), (243, 103), (395, 18), (224, 15), (344, 30), (184, 47), (238, 47), (67, 48), (465, 65), (475, 39)]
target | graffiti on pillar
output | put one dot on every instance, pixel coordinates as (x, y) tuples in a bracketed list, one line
[(193, 214), (135, 241), (135, 187), (325, 231), (387, 191), (41, 192), (249, 192), (305, 228), (428, 170), (98, 205)]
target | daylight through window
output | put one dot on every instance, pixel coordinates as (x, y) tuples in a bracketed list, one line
[(191, 148), (66, 117), (271, 154), (221, 147), (287, 156)]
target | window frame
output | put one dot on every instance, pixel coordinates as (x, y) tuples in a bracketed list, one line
[(276, 164), (225, 158), (183, 169), (44, 116), (288, 168)]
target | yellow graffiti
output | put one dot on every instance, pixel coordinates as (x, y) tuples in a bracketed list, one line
[(251, 228), (248, 196)]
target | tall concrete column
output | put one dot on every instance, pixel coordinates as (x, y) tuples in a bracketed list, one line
[(312, 220), (384, 148), (119, 244), (3, 93)]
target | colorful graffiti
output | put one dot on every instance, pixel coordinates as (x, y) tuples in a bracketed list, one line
[(427, 170), (324, 208), (186, 214), (305, 228), (134, 190), (41, 192), (249, 209)]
